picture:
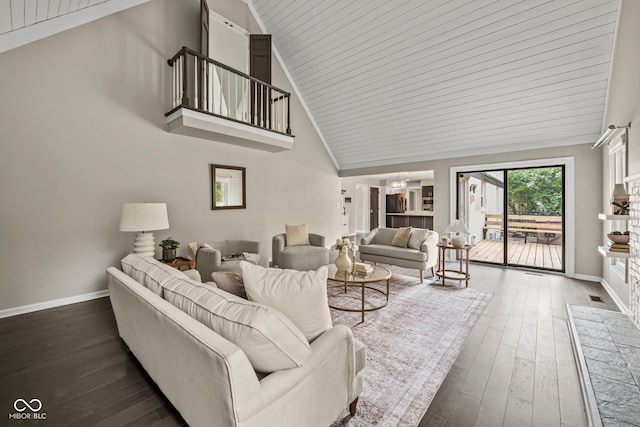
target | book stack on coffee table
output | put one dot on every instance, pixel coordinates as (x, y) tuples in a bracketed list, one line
[(362, 270)]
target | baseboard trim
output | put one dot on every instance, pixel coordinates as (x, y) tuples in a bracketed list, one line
[(9, 312), (587, 278), (623, 308)]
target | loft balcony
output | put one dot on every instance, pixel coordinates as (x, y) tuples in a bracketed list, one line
[(213, 101)]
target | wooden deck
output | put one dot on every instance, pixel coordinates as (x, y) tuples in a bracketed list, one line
[(540, 255)]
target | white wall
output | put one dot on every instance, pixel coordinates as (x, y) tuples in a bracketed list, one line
[(83, 130), (623, 107), (360, 202)]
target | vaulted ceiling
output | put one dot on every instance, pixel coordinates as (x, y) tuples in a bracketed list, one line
[(390, 82), (24, 21)]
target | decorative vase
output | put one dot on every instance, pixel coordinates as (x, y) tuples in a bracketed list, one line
[(458, 241), (343, 262), (620, 200), (168, 255)]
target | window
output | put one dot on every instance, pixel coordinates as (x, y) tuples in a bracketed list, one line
[(617, 174)]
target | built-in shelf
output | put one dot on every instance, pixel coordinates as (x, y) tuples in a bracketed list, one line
[(611, 217), (604, 249), (611, 254)]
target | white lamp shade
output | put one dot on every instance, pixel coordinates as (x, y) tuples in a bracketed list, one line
[(144, 217), (456, 226)]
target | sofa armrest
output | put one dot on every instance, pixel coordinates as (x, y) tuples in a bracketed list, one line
[(329, 372), (366, 240), (316, 240), (277, 245), (430, 247), (206, 262)]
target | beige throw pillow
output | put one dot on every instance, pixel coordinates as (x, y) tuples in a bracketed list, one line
[(401, 238), (299, 295), (297, 235)]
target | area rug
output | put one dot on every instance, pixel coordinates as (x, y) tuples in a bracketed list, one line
[(411, 345)]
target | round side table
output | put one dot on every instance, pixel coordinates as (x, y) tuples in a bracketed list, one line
[(460, 274)]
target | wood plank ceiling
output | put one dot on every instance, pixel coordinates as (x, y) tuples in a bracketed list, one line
[(25, 21), (391, 82)]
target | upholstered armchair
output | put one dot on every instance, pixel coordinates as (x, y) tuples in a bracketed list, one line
[(225, 255), (301, 256)]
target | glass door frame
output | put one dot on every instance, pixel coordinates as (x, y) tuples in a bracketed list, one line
[(569, 209)]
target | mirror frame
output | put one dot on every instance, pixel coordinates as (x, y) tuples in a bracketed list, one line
[(213, 187)]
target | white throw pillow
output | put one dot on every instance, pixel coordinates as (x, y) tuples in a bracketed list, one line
[(300, 295), (297, 234), (269, 339)]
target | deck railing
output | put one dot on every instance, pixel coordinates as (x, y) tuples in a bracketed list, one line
[(202, 84)]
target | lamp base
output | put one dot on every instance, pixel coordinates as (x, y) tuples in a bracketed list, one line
[(144, 244), (458, 242)]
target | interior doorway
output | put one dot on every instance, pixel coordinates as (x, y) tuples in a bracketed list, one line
[(374, 207), (515, 216)]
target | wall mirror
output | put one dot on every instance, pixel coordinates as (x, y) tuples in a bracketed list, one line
[(228, 185)]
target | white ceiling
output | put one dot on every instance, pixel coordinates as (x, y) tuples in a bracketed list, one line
[(25, 21), (391, 82)]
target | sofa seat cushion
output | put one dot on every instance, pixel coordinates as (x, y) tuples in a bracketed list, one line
[(300, 295), (269, 339), (303, 257), (150, 272), (393, 252)]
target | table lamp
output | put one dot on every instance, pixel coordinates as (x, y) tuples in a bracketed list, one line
[(457, 226), (143, 218)]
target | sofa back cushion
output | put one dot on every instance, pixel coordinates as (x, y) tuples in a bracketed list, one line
[(418, 236), (300, 295), (384, 236), (150, 272), (268, 338)]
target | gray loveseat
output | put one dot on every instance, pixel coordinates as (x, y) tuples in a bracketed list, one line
[(420, 253), (163, 317)]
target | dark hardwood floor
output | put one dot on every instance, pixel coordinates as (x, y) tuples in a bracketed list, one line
[(515, 369), (72, 359)]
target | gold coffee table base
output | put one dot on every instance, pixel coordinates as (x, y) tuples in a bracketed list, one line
[(380, 274)]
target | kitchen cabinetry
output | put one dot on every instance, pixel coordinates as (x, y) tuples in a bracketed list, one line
[(404, 220), (427, 198)]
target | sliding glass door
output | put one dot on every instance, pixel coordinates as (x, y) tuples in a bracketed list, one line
[(514, 216)]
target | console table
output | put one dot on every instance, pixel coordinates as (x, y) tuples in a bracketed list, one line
[(460, 274)]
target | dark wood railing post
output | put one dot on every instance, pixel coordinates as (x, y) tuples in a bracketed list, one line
[(288, 114), (185, 87)]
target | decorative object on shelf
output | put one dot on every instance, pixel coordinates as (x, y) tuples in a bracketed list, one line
[(343, 261), (457, 241), (620, 200), (619, 237), (169, 247), (143, 218)]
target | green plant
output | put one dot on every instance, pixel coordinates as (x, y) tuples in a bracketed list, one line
[(169, 244), (343, 244)]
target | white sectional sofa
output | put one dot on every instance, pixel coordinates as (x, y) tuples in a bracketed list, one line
[(420, 251), (226, 361)]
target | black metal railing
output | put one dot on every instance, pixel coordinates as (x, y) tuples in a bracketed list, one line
[(208, 86)]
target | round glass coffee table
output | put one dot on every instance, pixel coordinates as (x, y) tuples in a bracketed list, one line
[(345, 279)]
